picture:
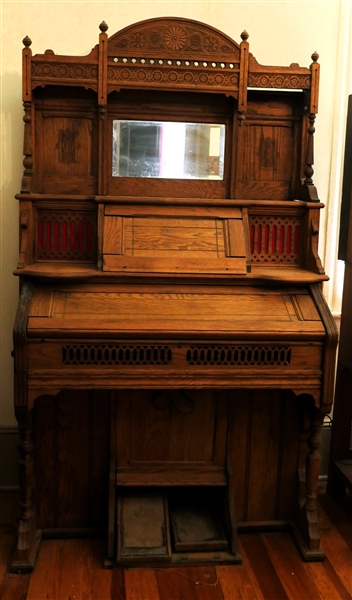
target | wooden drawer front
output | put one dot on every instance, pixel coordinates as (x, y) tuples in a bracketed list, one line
[(178, 244)]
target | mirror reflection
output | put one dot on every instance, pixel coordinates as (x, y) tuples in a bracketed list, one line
[(168, 150)]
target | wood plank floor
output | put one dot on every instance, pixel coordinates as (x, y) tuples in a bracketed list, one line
[(272, 568)]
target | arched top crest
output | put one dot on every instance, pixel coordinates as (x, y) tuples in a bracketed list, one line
[(173, 37)]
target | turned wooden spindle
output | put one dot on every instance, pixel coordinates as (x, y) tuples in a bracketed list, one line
[(27, 118), (313, 461), (243, 83), (313, 109)]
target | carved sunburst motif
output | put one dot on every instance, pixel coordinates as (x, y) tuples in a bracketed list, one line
[(175, 38)]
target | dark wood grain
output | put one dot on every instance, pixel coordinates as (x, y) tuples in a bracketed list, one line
[(289, 566), (189, 583), (264, 570), (340, 513)]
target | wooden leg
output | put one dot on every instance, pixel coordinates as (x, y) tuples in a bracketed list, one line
[(306, 529), (28, 536)]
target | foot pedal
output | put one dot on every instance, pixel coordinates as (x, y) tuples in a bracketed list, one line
[(143, 531)]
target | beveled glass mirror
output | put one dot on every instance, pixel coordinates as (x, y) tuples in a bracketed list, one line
[(168, 150)]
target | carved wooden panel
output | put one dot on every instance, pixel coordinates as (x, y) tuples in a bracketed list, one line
[(268, 156), (65, 235), (172, 37), (274, 239), (267, 161), (66, 149), (173, 53)]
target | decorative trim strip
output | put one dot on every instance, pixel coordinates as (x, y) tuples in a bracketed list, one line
[(279, 81), (62, 71), (176, 62), (173, 72)]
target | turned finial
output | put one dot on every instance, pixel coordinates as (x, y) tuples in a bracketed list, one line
[(103, 27), (315, 56), (244, 35), (27, 41)]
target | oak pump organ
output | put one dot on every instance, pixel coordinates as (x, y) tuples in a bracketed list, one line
[(174, 355)]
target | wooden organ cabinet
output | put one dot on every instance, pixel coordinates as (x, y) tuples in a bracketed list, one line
[(174, 355)]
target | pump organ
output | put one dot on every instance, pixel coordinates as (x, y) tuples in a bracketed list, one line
[(171, 329)]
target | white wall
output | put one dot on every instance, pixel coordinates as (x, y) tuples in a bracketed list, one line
[(280, 33)]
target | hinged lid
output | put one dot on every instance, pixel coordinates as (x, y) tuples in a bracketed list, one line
[(145, 239)]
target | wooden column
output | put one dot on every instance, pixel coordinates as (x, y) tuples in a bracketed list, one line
[(102, 101)]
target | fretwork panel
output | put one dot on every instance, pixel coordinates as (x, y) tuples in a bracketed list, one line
[(274, 239), (65, 235)]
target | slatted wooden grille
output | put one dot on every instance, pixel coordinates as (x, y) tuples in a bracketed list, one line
[(239, 355), (91, 354)]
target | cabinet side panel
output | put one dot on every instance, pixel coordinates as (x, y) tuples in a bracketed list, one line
[(71, 461)]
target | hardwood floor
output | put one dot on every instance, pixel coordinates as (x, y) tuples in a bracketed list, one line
[(272, 568)]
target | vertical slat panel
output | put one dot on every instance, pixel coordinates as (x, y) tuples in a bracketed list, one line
[(240, 414)]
